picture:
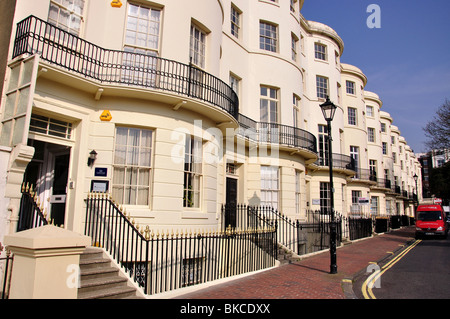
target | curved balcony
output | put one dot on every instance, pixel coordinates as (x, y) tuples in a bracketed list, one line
[(340, 162), (273, 133), (364, 175), (61, 48)]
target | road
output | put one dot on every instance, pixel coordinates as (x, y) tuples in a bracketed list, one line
[(420, 271)]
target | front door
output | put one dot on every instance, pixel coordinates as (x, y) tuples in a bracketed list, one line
[(48, 173), (231, 202), (59, 192)]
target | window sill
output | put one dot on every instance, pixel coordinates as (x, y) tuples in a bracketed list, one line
[(197, 214)]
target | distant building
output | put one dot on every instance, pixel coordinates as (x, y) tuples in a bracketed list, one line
[(428, 161)]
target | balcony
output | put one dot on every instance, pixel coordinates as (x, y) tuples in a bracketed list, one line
[(340, 162), (113, 67), (364, 174), (282, 135)]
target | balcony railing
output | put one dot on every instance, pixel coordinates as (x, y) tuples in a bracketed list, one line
[(59, 47), (277, 134), (365, 174), (340, 161)]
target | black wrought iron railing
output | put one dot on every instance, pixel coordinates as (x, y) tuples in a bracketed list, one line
[(301, 237), (6, 259), (31, 213), (275, 133), (357, 227), (59, 47), (340, 161), (364, 174), (162, 261)]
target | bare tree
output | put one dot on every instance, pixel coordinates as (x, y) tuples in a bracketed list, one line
[(438, 129)]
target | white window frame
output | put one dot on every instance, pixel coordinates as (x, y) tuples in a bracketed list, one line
[(374, 205), (322, 86), (325, 200), (72, 12), (268, 36), (320, 51), (269, 104), (294, 47), (296, 111), (323, 144), (145, 28), (197, 48), (354, 153), (270, 186), (235, 21), (350, 87), (297, 192), (193, 178), (235, 83), (371, 134), (352, 116), (133, 167)]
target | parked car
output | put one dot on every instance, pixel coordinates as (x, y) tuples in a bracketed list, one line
[(431, 221)]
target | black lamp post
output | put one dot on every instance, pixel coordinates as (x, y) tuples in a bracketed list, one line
[(417, 191), (328, 110)]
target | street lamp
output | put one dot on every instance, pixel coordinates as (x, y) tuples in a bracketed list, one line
[(328, 110), (417, 191)]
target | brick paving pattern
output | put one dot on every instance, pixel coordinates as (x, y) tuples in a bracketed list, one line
[(310, 278)]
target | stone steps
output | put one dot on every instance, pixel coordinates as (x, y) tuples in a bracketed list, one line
[(101, 279)]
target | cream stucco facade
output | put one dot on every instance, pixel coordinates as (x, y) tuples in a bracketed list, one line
[(190, 105)]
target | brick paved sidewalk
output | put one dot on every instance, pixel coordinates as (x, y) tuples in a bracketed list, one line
[(310, 278)]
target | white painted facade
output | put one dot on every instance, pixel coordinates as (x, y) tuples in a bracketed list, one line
[(283, 75)]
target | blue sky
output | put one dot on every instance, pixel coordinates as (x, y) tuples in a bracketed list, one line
[(406, 61)]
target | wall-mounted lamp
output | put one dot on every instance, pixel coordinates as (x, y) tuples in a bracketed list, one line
[(92, 157)]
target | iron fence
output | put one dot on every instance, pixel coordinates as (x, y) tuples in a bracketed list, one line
[(340, 161), (57, 46), (161, 261), (301, 237), (6, 262), (31, 214), (357, 227)]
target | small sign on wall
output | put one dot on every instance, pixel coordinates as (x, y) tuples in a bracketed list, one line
[(106, 116), (363, 200), (100, 186), (101, 171), (116, 4), (316, 201)]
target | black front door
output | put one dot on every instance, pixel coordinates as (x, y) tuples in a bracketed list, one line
[(231, 202), (58, 202)]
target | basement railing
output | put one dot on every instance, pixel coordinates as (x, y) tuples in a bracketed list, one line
[(59, 47), (162, 261), (301, 237)]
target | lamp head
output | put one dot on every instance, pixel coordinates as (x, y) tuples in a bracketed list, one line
[(328, 110)]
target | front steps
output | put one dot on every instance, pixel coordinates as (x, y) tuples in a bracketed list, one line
[(101, 279)]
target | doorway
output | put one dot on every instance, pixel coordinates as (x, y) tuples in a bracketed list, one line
[(48, 172), (231, 202)]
